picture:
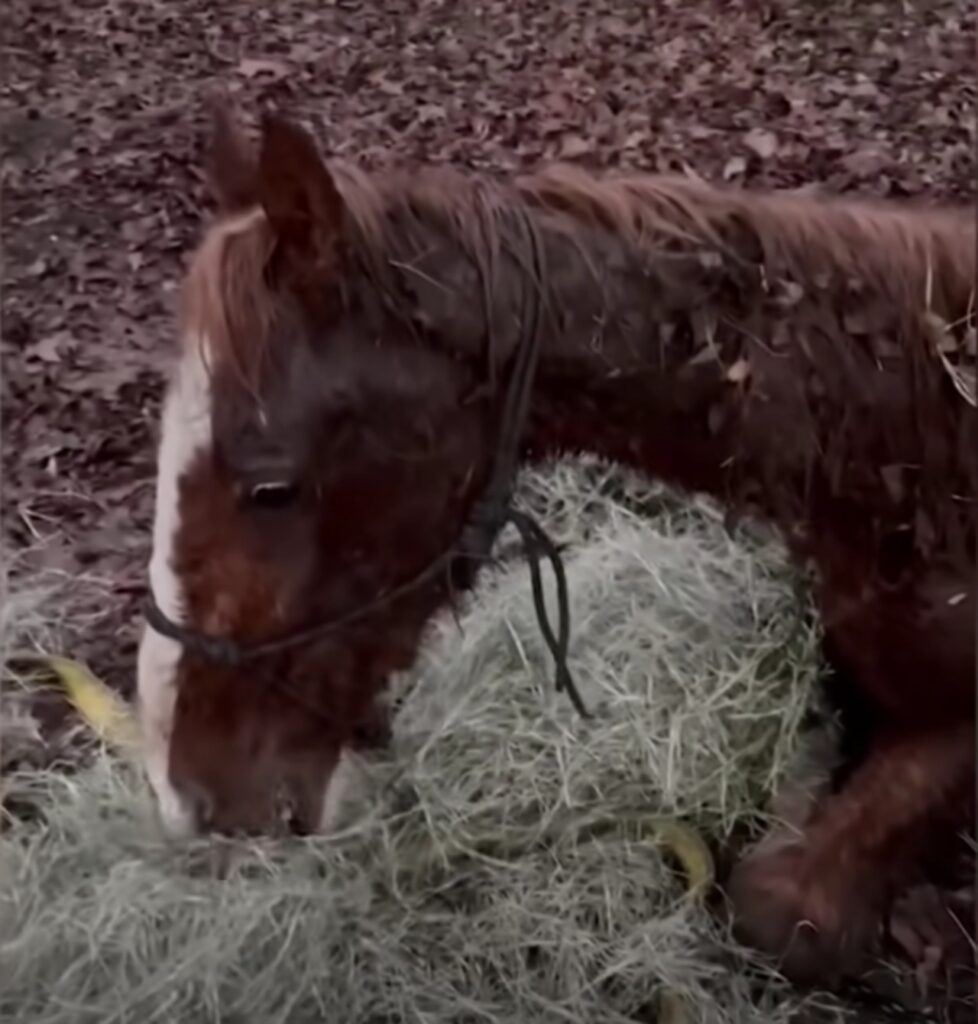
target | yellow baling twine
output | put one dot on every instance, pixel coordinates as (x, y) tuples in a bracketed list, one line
[(107, 714)]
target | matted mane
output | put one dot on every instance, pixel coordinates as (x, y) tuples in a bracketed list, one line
[(915, 255), (921, 260)]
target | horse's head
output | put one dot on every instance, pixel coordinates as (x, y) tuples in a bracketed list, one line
[(318, 452)]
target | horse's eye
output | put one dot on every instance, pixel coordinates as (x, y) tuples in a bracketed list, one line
[(273, 494)]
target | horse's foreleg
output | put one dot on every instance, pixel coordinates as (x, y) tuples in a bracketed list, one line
[(815, 899)]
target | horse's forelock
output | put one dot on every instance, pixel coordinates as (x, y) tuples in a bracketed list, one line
[(226, 298)]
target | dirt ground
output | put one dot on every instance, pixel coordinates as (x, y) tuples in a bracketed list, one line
[(102, 120)]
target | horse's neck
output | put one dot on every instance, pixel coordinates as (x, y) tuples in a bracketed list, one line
[(669, 422), (717, 372), (642, 361), (714, 341)]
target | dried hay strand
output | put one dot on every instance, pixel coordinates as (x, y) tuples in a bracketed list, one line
[(512, 863)]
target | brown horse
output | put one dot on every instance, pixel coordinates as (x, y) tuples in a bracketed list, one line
[(366, 360)]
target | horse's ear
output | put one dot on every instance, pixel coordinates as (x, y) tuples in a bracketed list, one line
[(296, 189), (232, 166)]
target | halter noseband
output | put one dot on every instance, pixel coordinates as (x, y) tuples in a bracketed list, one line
[(492, 512)]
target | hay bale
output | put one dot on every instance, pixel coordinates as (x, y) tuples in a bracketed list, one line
[(504, 870)]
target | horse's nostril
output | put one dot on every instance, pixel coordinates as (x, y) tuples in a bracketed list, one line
[(298, 826), (290, 816), (201, 805)]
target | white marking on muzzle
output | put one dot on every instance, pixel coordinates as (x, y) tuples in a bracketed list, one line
[(186, 432), (346, 786)]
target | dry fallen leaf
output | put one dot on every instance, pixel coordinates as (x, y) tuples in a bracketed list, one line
[(734, 167), (763, 143), (254, 67), (574, 146), (51, 348), (739, 372)]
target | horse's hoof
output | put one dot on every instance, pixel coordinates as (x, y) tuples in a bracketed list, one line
[(818, 923)]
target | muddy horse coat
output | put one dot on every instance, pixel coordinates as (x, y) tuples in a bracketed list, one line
[(350, 351)]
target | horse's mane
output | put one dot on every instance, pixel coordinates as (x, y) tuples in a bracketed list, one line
[(920, 260), (912, 254)]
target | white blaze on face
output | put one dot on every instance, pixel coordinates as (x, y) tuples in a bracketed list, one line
[(186, 432)]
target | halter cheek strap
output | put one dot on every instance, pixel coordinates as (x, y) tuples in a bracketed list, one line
[(491, 513)]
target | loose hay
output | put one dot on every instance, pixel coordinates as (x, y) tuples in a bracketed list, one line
[(487, 879)]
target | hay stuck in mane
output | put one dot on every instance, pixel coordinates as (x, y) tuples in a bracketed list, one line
[(472, 889)]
